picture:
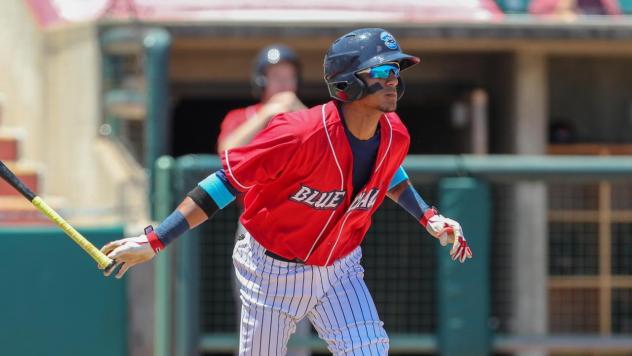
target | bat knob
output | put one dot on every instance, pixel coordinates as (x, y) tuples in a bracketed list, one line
[(110, 266)]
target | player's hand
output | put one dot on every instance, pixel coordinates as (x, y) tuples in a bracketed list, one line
[(286, 101), (447, 231), (127, 253)]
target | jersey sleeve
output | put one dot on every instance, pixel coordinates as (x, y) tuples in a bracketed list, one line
[(264, 158)]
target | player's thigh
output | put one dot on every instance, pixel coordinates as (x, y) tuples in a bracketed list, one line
[(346, 318), (264, 330), (272, 298)]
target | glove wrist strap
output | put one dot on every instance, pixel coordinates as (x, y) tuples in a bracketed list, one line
[(430, 212), (153, 239)]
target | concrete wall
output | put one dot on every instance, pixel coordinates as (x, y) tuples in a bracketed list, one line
[(51, 84), (22, 74), (72, 118)]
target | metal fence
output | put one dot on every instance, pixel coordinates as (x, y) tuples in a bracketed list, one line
[(586, 210)]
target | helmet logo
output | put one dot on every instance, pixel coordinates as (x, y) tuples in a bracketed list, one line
[(273, 56), (389, 40)]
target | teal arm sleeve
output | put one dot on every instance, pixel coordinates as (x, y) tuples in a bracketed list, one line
[(215, 187), (399, 177)]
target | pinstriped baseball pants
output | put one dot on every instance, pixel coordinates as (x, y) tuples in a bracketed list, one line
[(275, 295)]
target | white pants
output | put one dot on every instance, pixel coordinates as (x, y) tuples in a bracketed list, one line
[(275, 295)]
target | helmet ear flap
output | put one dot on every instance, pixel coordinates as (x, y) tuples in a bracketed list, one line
[(258, 85), (347, 91), (260, 81), (357, 89)]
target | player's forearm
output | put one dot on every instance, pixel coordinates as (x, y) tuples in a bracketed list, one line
[(210, 195), (244, 133), (405, 195), (192, 212)]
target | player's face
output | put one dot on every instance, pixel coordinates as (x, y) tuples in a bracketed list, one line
[(384, 100), (280, 77)]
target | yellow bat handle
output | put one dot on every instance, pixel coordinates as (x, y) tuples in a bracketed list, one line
[(102, 260)]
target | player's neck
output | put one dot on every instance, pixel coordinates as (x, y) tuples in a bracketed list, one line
[(360, 120)]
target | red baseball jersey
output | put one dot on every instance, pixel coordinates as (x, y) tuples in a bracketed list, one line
[(297, 175)]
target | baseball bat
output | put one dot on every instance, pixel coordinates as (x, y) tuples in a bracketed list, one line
[(102, 260)]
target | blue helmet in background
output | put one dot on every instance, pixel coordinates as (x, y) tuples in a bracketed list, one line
[(268, 56), (356, 51)]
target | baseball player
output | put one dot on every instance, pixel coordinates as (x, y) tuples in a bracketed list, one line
[(275, 80), (312, 179)]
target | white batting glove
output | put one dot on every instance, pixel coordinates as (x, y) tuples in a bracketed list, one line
[(127, 253), (447, 231)]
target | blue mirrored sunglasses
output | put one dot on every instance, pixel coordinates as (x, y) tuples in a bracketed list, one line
[(382, 71)]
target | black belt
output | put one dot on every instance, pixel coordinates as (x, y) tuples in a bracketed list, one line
[(281, 258)]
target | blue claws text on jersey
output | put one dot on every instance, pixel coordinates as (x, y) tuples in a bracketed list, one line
[(317, 199), (330, 200)]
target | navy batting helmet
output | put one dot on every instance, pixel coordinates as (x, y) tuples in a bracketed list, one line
[(268, 56), (356, 51)]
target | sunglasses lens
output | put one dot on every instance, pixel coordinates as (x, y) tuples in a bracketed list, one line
[(384, 71)]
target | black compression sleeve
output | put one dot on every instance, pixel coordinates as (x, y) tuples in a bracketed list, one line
[(201, 198)]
